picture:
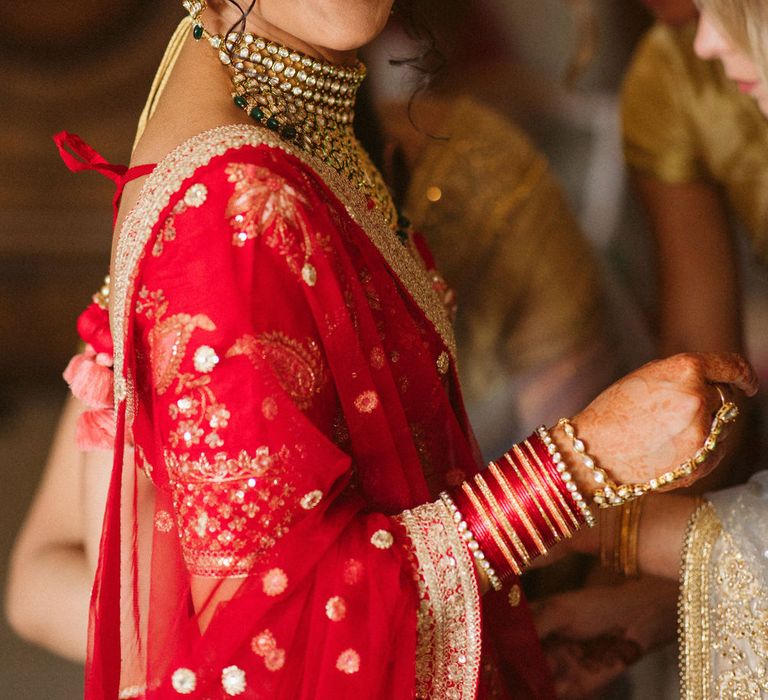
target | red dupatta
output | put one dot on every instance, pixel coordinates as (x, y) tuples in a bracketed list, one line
[(287, 372)]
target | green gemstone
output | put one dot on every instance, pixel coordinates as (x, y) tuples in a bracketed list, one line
[(257, 114), (273, 124), (197, 32), (240, 101), (289, 133)]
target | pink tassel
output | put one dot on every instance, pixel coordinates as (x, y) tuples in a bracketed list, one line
[(96, 430), (89, 380)]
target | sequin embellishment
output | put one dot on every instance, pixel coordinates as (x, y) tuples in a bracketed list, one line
[(233, 680), (382, 539), (367, 402), (311, 500), (348, 662), (336, 609), (184, 681), (274, 582), (205, 359)]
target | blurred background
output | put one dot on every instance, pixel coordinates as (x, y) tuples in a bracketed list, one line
[(86, 65)]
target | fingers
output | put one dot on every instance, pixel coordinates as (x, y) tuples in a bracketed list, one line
[(546, 617), (729, 368)]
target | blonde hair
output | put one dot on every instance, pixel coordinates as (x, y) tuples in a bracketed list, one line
[(746, 23)]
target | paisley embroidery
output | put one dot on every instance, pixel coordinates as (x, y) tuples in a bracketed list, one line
[(265, 205), (195, 196), (198, 413), (298, 366), (230, 510)]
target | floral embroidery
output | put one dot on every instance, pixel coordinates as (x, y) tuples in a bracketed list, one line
[(367, 402), (377, 358), (348, 662), (269, 408), (184, 681), (448, 655), (233, 680), (353, 572), (265, 205), (298, 366), (230, 510), (274, 582), (311, 500), (205, 359), (195, 196), (336, 609), (163, 521), (265, 645), (382, 539)]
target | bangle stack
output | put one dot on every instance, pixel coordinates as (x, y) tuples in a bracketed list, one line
[(517, 509)]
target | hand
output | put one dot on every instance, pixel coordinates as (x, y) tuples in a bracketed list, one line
[(656, 418), (592, 635)]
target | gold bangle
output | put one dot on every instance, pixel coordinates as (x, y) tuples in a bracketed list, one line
[(535, 482), (495, 534), (519, 508)]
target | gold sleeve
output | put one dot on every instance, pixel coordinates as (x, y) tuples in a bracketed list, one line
[(505, 239), (658, 134), (723, 616)]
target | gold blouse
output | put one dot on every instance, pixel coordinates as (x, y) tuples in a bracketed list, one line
[(504, 238), (684, 121)]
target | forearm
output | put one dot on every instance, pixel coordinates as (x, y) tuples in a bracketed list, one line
[(48, 597)]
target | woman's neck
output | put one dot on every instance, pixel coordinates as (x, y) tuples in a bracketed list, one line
[(224, 18)]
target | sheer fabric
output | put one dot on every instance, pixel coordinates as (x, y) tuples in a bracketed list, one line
[(286, 371)]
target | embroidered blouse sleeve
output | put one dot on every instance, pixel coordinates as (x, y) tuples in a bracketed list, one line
[(243, 411)]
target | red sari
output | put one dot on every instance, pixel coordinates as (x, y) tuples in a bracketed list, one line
[(286, 372)]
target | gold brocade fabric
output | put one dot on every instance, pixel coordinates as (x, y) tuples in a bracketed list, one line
[(503, 236), (684, 121), (723, 614)]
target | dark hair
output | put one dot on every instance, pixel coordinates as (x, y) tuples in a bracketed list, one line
[(239, 25)]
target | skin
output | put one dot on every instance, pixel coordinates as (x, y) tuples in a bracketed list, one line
[(694, 244), (712, 43), (642, 426)]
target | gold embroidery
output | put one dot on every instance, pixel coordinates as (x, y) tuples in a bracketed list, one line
[(264, 205), (205, 359), (298, 366), (348, 662), (269, 408), (274, 582), (311, 500), (181, 163), (514, 596), (367, 402), (353, 572), (693, 606), (163, 521), (233, 680), (195, 196), (382, 539), (265, 645), (336, 608), (230, 510), (448, 655)]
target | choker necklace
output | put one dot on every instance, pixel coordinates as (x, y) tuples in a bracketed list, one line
[(308, 102)]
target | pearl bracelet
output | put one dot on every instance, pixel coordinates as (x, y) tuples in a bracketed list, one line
[(468, 537), (566, 476)]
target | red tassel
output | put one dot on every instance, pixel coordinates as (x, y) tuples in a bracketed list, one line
[(90, 381), (96, 430)]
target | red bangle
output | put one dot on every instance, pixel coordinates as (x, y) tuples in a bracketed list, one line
[(545, 461)]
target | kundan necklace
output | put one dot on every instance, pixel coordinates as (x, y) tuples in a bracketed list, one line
[(307, 102)]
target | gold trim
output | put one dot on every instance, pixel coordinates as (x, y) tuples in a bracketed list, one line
[(449, 650), (182, 162), (693, 605)]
